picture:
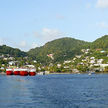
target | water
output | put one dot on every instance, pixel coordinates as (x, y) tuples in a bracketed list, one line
[(54, 91)]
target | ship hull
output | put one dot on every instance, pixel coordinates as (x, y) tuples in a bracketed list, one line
[(23, 73), (32, 73), (9, 72), (16, 72)]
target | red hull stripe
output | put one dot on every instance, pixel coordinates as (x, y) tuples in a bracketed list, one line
[(16, 72), (9, 72), (23, 73), (32, 73)]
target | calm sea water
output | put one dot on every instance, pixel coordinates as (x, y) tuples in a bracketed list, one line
[(54, 91)]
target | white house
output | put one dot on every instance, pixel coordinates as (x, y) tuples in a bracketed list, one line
[(103, 65), (68, 61), (102, 51), (78, 56), (58, 65), (66, 67), (92, 61), (30, 66), (92, 58), (11, 63), (99, 61)]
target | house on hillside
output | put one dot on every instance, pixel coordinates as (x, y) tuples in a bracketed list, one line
[(66, 62), (12, 63), (102, 51), (103, 65), (92, 61), (99, 61), (59, 65), (11, 58), (5, 58), (78, 56), (92, 58), (100, 67), (75, 70)]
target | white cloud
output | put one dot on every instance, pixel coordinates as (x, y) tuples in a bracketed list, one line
[(47, 34), (23, 44), (34, 45), (102, 4), (103, 24)]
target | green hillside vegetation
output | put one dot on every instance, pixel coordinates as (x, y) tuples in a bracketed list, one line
[(12, 51), (101, 43), (62, 49), (60, 55)]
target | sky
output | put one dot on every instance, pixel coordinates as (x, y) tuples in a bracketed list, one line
[(27, 24)]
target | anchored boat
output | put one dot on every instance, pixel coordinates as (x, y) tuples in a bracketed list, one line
[(24, 72), (32, 72), (21, 71), (9, 71), (16, 71)]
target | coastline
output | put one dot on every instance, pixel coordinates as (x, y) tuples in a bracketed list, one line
[(2, 73), (78, 73)]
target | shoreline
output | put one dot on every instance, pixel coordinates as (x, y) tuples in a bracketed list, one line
[(77, 73), (3, 73)]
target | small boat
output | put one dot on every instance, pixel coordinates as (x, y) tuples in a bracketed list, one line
[(9, 71), (32, 72), (24, 72)]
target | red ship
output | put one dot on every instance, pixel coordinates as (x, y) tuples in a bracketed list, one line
[(16, 72), (24, 72), (32, 72), (9, 71)]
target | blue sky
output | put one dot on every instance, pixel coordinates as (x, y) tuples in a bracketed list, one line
[(26, 24)]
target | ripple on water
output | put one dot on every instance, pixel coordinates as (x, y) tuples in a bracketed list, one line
[(54, 91)]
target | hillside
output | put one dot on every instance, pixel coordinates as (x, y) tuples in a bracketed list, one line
[(101, 43), (57, 50), (12, 51), (62, 49)]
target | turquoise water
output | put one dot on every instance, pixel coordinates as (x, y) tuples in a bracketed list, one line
[(54, 91)]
